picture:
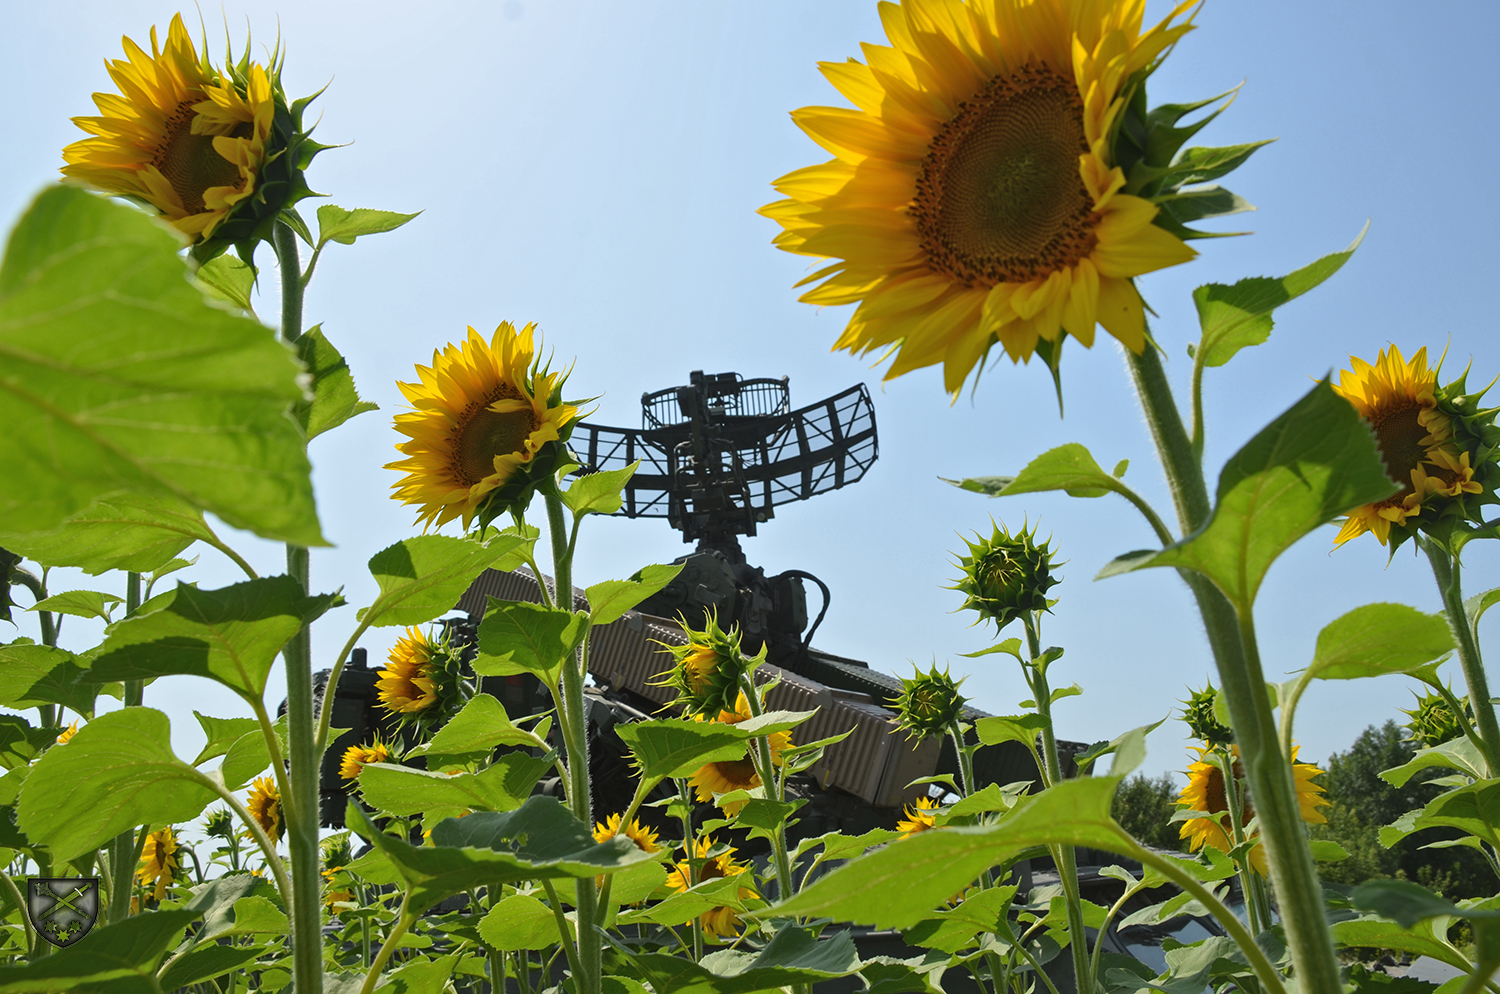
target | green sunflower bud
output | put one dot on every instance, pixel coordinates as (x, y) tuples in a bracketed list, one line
[(1006, 576), (220, 824), (336, 851), (1198, 712), (1433, 721), (929, 702), (708, 669)]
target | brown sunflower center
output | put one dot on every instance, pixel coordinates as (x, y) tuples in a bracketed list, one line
[(484, 434), (1398, 433), (1218, 801), (999, 197), (189, 162), (738, 771)]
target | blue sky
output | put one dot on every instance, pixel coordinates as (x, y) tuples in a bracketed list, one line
[(596, 167)]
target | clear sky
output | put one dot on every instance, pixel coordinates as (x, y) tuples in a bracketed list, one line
[(596, 167)]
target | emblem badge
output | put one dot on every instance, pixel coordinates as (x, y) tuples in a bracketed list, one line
[(62, 909)]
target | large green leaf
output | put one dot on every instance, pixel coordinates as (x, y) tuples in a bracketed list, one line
[(112, 959), (1312, 463), (422, 578), (1069, 468), (402, 790), (541, 840), (520, 922), (677, 748), (1377, 639), (610, 599), (520, 637), (1377, 934), (1474, 809), (207, 962), (1456, 754), (334, 399), (793, 956), (124, 531), (599, 493), (41, 674), (683, 906), (117, 772), (474, 733), (221, 733), (231, 635), (116, 374), (899, 885), (343, 226), (1238, 316), (226, 278), (81, 604)]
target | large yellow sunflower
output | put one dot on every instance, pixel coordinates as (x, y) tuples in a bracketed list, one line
[(483, 413), (1398, 399), (644, 837), (921, 818), (736, 774), (356, 756), (264, 805), (1205, 792), (405, 684), (179, 135), (721, 922), (158, 866), (974, 197)]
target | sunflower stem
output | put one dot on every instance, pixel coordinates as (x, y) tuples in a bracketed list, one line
[(1231, 635), (767, 770), (1254, 896), (690, 851), (1448, 572), (122, 867), (300, 802)]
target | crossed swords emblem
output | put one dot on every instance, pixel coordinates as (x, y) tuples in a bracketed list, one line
[(47, 920)]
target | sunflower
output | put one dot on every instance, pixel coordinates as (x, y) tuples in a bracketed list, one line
[(179, 136), (489, 425), (336, 888), (918, 819), (736, 774), (1414, 423), (708, 669), (721, 922), (67, 734), (158, 866), (974, 196), (406, 684), (356, 756), (644, 838), (1205, 792), (264, 804)]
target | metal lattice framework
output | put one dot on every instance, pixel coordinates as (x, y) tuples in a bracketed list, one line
[(753, 446)]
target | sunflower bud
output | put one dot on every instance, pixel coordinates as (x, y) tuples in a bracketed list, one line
[(219, 824), (708, 669), (928, 704), (1006, 576), (336, 851), (1433, 721), (1198, 712), (422, 681)]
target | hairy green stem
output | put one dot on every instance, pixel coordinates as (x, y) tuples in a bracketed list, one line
[(404, 921), (1062, 855), (690, 853), (15, 895), (267, 847), (1448, 572), (49, 716), (123, 846), (1232, 639), (563, 932), (767, 770), (1259, 916), (300, 803)]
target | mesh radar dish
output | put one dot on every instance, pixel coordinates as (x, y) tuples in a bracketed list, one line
[(721, 453)]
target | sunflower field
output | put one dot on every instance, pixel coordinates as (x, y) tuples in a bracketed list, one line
[(497, 814)]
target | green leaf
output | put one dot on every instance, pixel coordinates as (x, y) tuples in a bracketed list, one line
[(951, 931), (422, 578), (1457, 754), (763, 816), (1421, 941), (1239, 316), (541, 840), (1311, 464), (79, 603), (1377, 639), (230, 906), (1011, 646), (136, 532), (520, 922), (901, 884), (474, 733), (683, 906), (117, 772), (221, 734), (246, 758), (334, 399), (1200, 204), (226, 278), (677, 748), (338, 225), (520, 637), (207, 962), (1474, 606), (231, 635), (20, 743), (1474, 809), (118, 959), (41, 674), (402, 790), (793, 956), (1200, 165), (1407, 903), (1022, 728), (837, 845), (116, 374), (599, 493), (609, 600), (1069, 468)]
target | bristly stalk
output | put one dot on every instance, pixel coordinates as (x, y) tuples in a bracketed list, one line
[(1242, 682), (1448, 572), (300, 806)]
